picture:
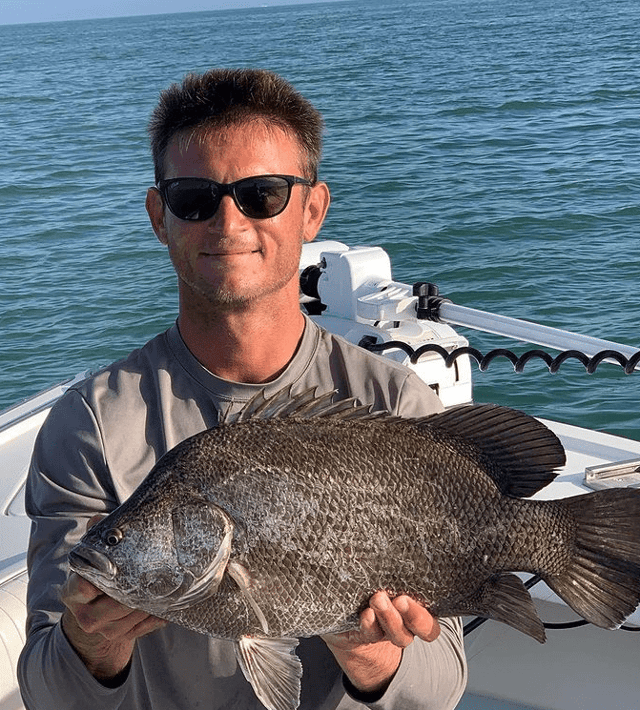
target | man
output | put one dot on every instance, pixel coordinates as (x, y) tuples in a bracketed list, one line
[(236, 156)]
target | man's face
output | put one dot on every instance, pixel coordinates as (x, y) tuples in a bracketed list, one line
[(232, 260)]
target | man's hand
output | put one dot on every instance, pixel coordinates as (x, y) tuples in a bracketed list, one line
[(101, 630), (371, 654)]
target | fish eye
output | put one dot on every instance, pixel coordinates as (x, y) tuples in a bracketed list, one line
[(112, 537)]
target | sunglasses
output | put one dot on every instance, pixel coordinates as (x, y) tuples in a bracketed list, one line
[(195, 199)]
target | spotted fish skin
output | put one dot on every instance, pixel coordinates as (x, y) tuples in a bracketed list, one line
[(284, 522), (341, 525)]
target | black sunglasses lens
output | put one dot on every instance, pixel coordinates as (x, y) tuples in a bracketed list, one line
[(262, 197), (192, 200), (196, 199)]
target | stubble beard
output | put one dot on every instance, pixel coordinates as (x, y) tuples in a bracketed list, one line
[(223, 298)]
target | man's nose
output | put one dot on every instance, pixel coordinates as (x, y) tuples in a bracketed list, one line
[(228, 216)]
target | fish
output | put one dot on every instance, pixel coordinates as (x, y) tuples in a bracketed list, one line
[(284, 520)]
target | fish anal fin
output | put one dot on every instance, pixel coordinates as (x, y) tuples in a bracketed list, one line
[(503, 597), (273, 669), (519, 452)]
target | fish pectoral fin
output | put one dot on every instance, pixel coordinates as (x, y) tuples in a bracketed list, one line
[(503, 597), (273, 669), (242, 578)]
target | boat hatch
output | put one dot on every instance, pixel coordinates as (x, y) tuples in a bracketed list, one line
[(620, 474)]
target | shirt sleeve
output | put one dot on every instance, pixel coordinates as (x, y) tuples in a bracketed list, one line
[(431, 676), (64, 490), (417, 399)]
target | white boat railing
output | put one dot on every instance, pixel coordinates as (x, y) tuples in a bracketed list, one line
[(529, 332), (356, 284)]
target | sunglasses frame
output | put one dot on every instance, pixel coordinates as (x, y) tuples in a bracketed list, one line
[(229, 188)]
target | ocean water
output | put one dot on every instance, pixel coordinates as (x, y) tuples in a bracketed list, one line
[(491, 146)]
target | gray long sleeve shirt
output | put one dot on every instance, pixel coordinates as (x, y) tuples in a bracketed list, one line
[(97, 445)]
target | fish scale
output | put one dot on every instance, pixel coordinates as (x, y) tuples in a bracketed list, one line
[(283, 522)]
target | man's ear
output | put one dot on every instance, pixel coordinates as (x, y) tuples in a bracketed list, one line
[(316, 210), (155, 210)]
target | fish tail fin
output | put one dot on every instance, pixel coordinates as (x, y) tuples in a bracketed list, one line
[(601, 581)]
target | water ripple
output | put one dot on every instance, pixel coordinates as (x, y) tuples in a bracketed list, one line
[(490, 147)]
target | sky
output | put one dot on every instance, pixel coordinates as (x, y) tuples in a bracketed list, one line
[(21, 11)]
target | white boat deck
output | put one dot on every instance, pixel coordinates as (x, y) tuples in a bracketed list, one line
[(586, 668)]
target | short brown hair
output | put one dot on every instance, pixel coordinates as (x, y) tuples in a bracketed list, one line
[(221, 98)]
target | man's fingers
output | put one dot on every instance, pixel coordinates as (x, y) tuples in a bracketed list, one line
[(112, 620), (78, 590), (396, 621), (147, 626), (416, 618), (390, 620), (102, 614), (131, 626), (96, 612), (402, 619), (370, 630)]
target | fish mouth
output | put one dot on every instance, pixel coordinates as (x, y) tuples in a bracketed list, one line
[(86, 560)]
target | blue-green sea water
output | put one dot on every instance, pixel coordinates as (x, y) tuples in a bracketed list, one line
[(491, 146)]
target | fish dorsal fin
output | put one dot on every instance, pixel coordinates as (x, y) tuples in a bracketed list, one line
[(273, 669), (304, 405), (521, 453)]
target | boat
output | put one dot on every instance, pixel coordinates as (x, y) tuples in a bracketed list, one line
[(350, 291)]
